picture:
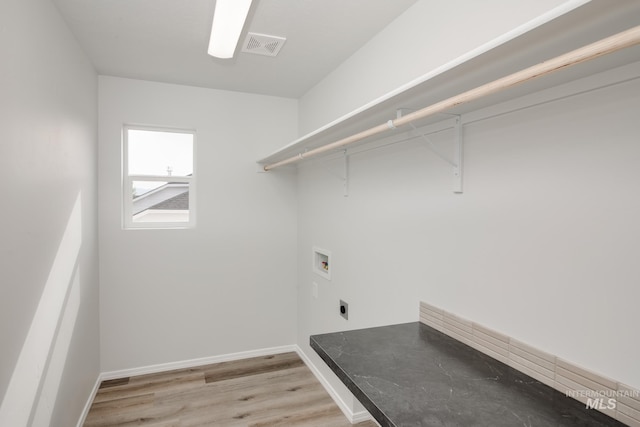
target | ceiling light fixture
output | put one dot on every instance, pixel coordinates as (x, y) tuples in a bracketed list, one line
[(228, 20)]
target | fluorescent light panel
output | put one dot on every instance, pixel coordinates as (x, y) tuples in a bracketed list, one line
[(228, 20)]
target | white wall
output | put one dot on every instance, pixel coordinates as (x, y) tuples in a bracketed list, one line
[(227, 285), (541, 246), (427, 36), (48, 240)]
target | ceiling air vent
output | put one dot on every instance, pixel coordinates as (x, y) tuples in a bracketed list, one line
[(262, 44)]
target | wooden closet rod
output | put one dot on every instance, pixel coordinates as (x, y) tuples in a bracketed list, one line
[(605, 46)]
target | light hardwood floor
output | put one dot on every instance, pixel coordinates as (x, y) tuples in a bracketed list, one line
[(277, 390)]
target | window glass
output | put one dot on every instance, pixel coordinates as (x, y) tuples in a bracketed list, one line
[(155, 201), (158, 178), (160, 153)]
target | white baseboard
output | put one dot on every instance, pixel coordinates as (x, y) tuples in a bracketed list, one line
[(87, 406), (353, 417), (361, 416), (163, 367)]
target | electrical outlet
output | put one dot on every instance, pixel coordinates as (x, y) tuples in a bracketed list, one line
[(344, 309)]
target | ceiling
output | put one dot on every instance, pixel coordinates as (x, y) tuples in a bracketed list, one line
[(166, 40)]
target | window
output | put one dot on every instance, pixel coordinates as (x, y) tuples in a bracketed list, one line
[(158, 178)]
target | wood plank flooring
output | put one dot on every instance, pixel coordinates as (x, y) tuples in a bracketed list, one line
[(277, 390)]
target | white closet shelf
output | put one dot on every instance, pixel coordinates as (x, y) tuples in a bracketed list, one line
[(543, 40)]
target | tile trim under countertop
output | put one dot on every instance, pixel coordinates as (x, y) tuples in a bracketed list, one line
[(566, 377)]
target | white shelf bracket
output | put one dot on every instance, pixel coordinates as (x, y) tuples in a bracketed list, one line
[(457, 155), (456, 161), (346, 175)]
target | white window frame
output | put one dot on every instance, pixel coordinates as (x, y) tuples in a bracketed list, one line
[(127, 183)]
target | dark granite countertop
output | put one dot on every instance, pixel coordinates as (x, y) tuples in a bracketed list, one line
[(413, 375)]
